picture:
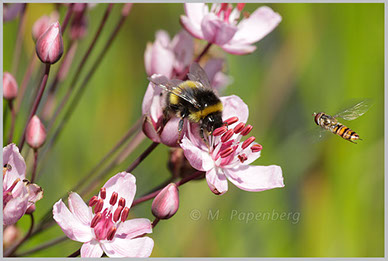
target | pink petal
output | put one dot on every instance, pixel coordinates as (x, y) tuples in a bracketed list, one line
[(238, 49), (183, 47), (12, 156), (147, 58), (162, 60), (252, 156), (151, 102), (234, 106), (198, 158), (191, 27), (217, 181), (220, 81), (35, 193), (170, 133), (91, 249), (15, 209), (213, 66), (260, 23), (256, 178), (70, 225), (149, 129), (79, 209), (217, 31), (138, 247), (195, 12), (124, 184), (133, 228)]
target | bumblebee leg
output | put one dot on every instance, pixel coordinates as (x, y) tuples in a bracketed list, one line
[(203, 137), (165, 118), (180, 128)]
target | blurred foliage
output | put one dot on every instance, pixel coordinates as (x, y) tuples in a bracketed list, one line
[(320, 58)]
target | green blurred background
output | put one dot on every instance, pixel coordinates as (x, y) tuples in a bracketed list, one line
[(320, 58)]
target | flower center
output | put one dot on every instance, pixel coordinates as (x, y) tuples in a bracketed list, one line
[(7, 192), (226, 12), (106, 221)]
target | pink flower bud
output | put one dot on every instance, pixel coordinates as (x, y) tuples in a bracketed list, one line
[(49, 46), (40, 26), (30, 209), (10, 86), (36, 133), (166, 203), (10, 235)]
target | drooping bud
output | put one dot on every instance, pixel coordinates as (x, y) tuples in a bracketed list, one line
[(49, 46), (36, 133), (10, 86), (166, 203)]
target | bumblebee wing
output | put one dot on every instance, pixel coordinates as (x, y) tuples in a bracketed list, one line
[(186, 94), (199, 75), (355, 111)]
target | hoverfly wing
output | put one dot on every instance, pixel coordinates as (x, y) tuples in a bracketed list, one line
[(317, 135), (199, 75), (355, 111)]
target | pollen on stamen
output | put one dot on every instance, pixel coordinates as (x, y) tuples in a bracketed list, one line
[(116, 215), (95, 220), (219, 131), (122, 202), (111, 233), (113, 198), (240, 6), (227, 135), (247, 142), (242, 158), (99, 205), (256, 148), (226, 152), (103, 193), (124, 214), (246, 130), (239, 127), (231, 120), (93, 201)]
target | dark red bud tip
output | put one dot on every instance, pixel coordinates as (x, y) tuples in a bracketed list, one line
[(124, 214), (240, 6), (93, 201), (246, 130), (99, 205), (122, 202), (116, 215), (95, 220), (103, 193), (226, 152), (219, 131), (231, 120), (256, 148), (227, 136), (242, 158), (111, 233), (247, 142), (239, 127), (113, 198)]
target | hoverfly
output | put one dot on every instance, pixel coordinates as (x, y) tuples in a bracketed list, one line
[(331, 123)]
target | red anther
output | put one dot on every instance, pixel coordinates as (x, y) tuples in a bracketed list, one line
[(219, 131), (113, 198), (256, 148), (122, 202), (103, 193), (99, 205), (227, 135), (226, 152), (124, 214), (247, 142), (246, 130), (93, 201), (111, 233), (116, 215), (231, 120), (242, 158), (240, 6), (95, 220), (239, 127)]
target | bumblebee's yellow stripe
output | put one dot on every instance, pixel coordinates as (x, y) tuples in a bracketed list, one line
[(197, 116), (174, 99)]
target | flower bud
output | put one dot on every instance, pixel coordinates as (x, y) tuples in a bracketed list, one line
[(40, 26), (36, 133), (10, 235), (49, 46), (30, 209), (166, 203), (10, 86)]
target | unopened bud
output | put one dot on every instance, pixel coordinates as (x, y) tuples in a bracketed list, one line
[(10, 235), (42, 24), (36, 133), (166, 203), (10, 86), (49, 46), (31, 209)]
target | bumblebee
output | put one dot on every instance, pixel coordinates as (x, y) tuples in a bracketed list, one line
[(194, 100)]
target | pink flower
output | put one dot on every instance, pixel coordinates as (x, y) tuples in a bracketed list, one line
[(18, 193), (10, 86), (106, 229), (227, 158), (49, 46), (220, 25), (35, 133), (168, 57)]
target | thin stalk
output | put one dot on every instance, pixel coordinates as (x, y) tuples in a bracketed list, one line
[(35, 164), (19, 40), (155, 222), (142, 156), (36, 103), (43, 246), (12, 250), (13, 117), (67, 18)]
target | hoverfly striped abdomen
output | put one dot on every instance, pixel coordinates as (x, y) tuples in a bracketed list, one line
[(345, 132)]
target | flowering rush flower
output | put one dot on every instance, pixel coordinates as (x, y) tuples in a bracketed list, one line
[(18, 194), (220, 25), (105, 229), (227, 158)]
